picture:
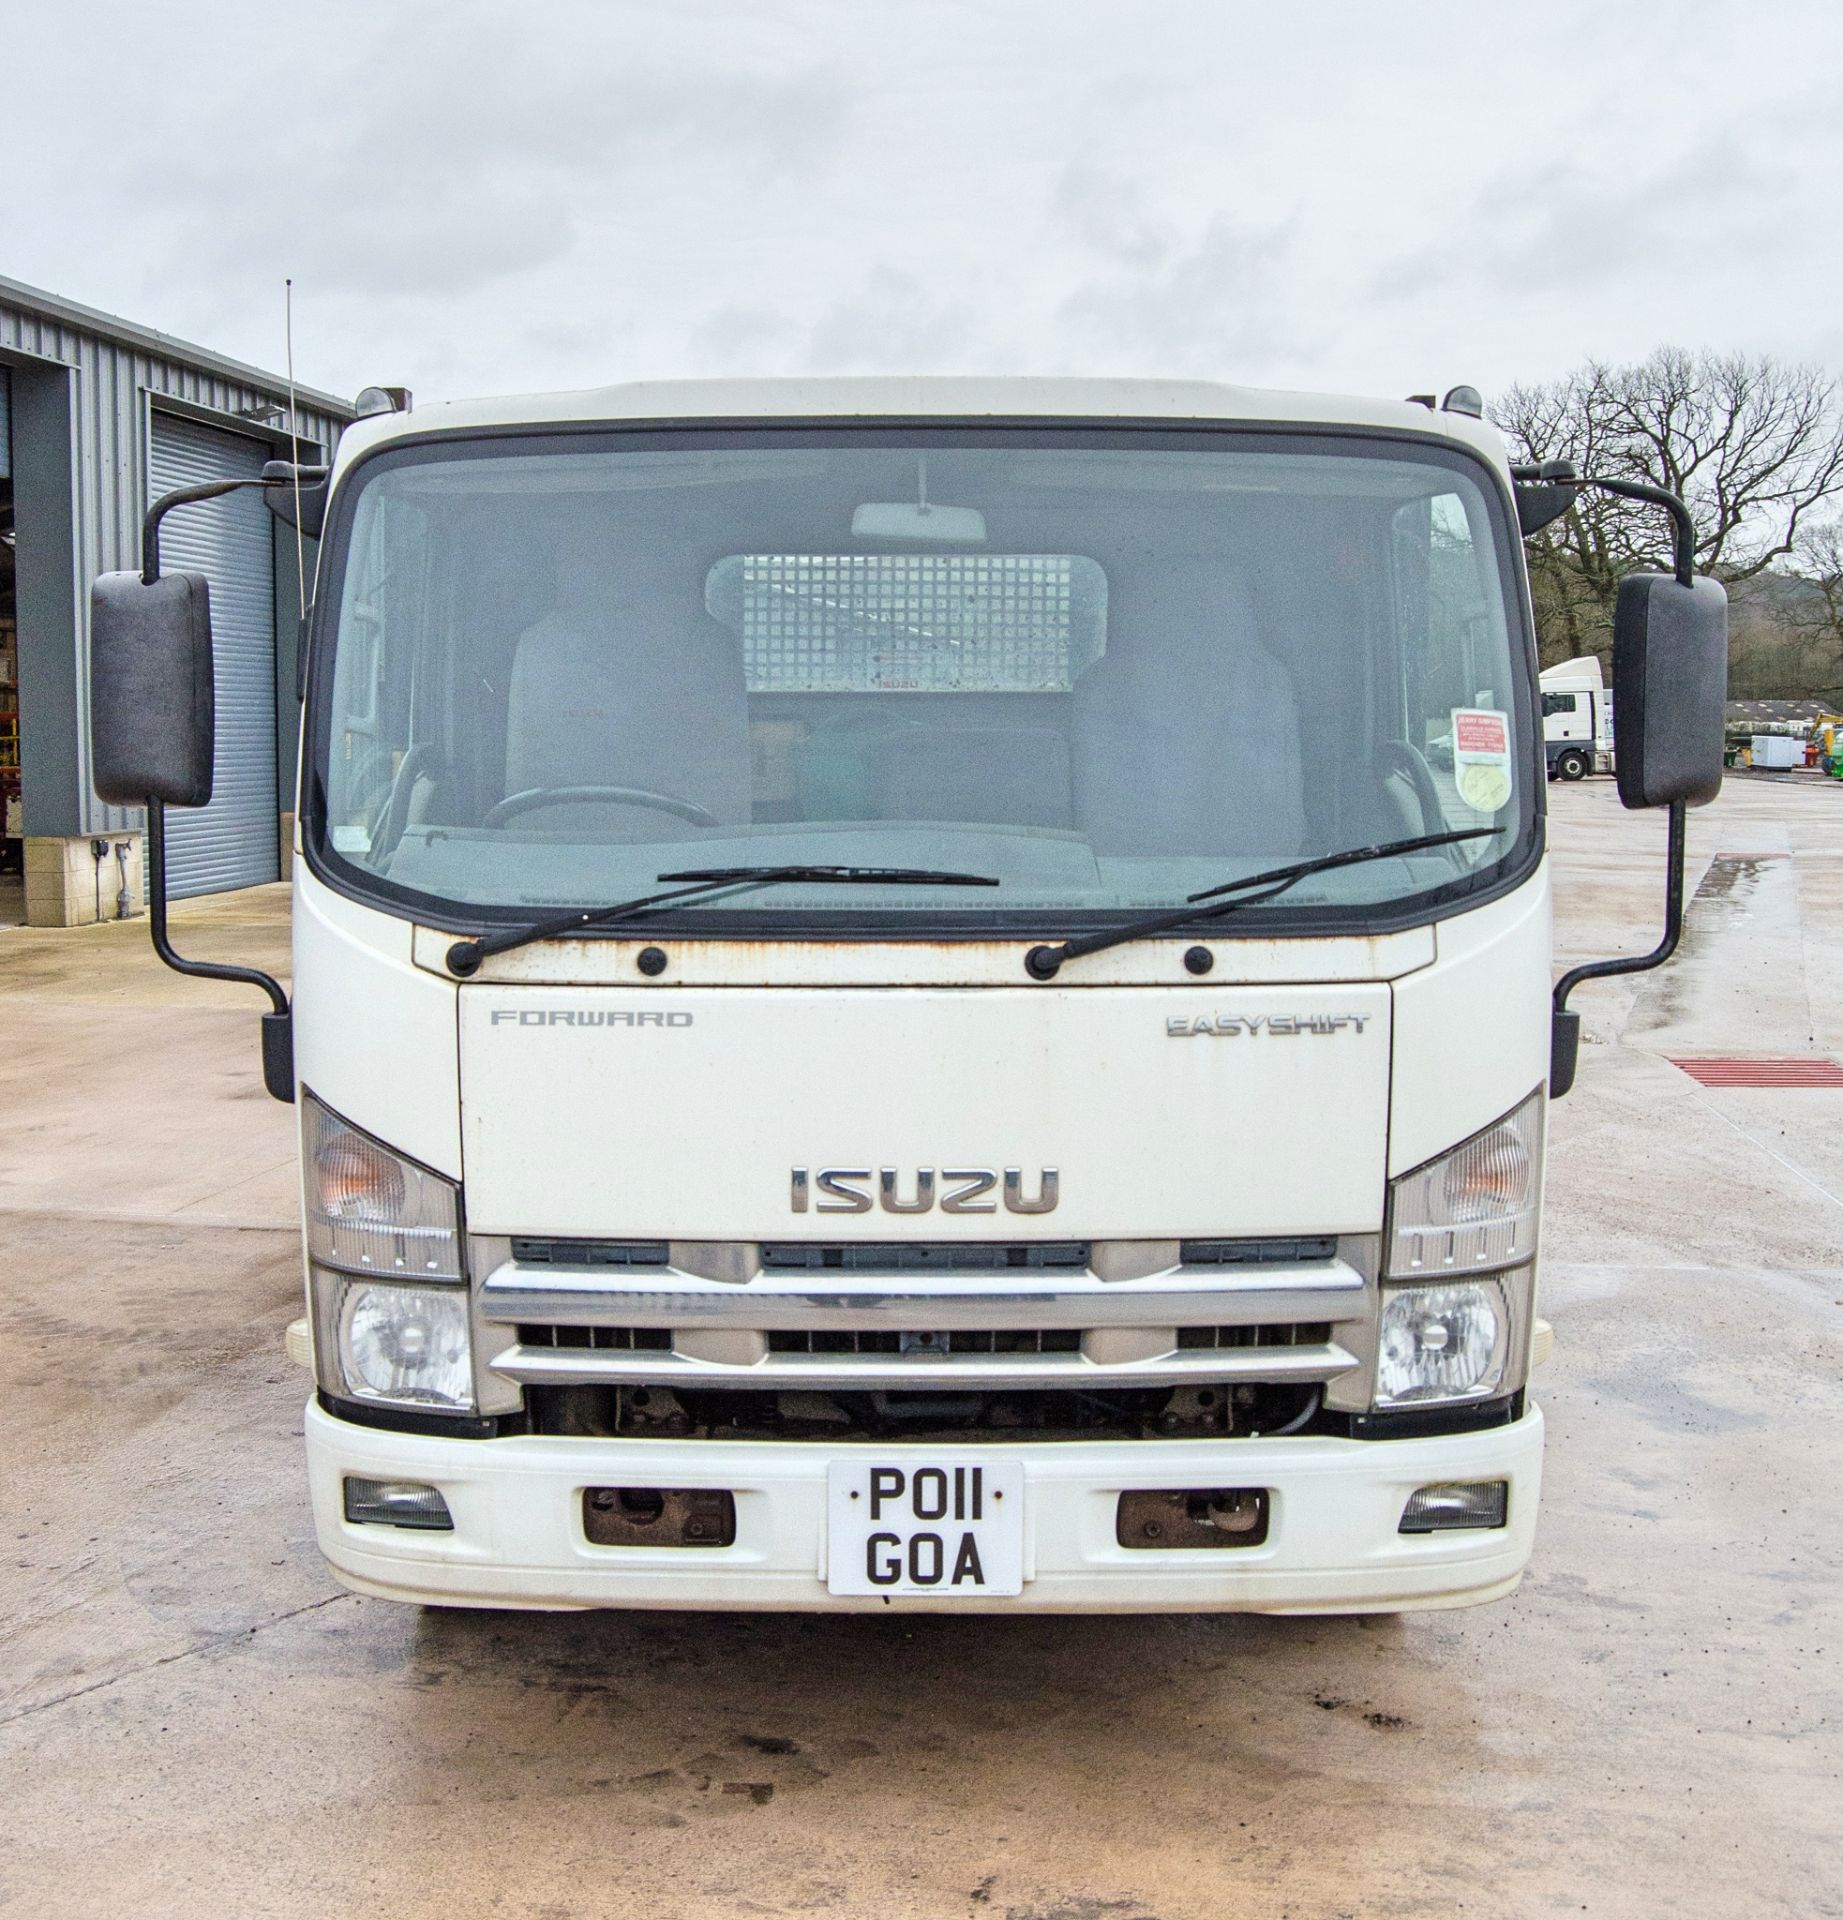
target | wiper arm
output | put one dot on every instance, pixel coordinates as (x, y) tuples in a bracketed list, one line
[(851, 876), (1043, 963), (465, 956)]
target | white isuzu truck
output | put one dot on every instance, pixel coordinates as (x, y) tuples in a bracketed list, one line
[(888, 1007)]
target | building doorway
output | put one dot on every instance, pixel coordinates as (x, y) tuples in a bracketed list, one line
[(232, 842)]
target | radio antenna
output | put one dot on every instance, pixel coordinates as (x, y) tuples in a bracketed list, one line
[(294, 450)]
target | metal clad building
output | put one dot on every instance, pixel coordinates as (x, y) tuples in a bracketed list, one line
[(104, 415), (231, 842)]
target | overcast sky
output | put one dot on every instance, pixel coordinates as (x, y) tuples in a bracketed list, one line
[(540, 193)]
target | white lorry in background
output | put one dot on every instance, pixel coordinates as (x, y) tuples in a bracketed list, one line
[(1577, 719), (888, 1009)]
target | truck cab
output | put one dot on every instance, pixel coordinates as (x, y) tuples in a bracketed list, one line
[(919, 993), (794, 1244)]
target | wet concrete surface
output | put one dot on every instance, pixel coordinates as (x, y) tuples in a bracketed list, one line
[(194, 1719)]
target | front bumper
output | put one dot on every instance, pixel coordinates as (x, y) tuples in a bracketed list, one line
[(1332, 1546)]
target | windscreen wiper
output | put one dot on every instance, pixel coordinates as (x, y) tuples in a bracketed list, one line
[(465, 956), (851, 876), (1043, 963)]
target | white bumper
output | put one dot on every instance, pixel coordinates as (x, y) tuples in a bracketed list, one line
[(1332, 1546)]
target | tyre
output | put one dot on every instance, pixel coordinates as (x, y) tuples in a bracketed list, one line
[(1571, 765)]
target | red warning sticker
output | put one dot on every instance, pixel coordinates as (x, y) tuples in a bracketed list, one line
[(1477, 731)]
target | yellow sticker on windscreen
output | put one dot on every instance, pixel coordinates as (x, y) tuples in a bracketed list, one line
[(1481, 758)]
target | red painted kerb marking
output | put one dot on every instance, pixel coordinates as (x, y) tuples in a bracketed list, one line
[(1720, 1071)]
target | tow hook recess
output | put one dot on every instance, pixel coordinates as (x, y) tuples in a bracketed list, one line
[(659, 1516), (1193, 1517)]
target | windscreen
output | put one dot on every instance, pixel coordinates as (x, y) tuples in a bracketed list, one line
[(1105, 671)]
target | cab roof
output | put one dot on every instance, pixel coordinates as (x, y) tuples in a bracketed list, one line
[(922, 397)]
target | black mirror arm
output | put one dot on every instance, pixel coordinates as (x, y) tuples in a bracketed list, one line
[(157, 924), (277, 473), (1565, 1027), (278, 1024), (1560, 478), (1683, 527)]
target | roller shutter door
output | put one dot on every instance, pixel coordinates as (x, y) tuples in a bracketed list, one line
[(6, 423), (233, 842)]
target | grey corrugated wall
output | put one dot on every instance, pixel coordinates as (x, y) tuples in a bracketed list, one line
[(116, 375)]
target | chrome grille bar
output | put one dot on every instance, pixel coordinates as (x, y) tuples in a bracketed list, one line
[(850, 1373), (1247, 1296)]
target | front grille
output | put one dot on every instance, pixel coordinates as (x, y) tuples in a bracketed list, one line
[(590, 1253), (975, 1320), (923, 1256), (915, 1256), (958, 1340), (1256, 1253), (1304, 1334), (584, 1339)]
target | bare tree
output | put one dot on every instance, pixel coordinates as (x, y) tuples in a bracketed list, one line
[(1753, 444), (1817, 612)]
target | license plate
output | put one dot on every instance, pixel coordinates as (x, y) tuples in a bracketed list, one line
[(937, 1525)]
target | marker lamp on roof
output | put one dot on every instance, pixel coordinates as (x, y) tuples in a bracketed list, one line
[(1473, 1208), (370, 1210)]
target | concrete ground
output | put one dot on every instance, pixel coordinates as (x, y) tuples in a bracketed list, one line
[(194, 1719)]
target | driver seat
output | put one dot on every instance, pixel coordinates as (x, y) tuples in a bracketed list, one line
[(611, 697)]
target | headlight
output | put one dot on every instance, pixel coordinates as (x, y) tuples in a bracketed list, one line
[(380, 1229), (395, 1344), (1473, 1208), (372, 1211), (1443, 1343)]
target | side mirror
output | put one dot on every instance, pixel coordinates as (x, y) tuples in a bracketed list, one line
[(152, 706), (153, 711), (282, 489), (1670, 689), (1544, 494)]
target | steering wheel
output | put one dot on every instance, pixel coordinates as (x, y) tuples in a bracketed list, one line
[(516, 803), (395, 816), (1407, 758)]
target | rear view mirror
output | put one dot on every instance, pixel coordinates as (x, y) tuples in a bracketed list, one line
[(919, 519), (905, 520), (152, 707), (1670, 689)]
